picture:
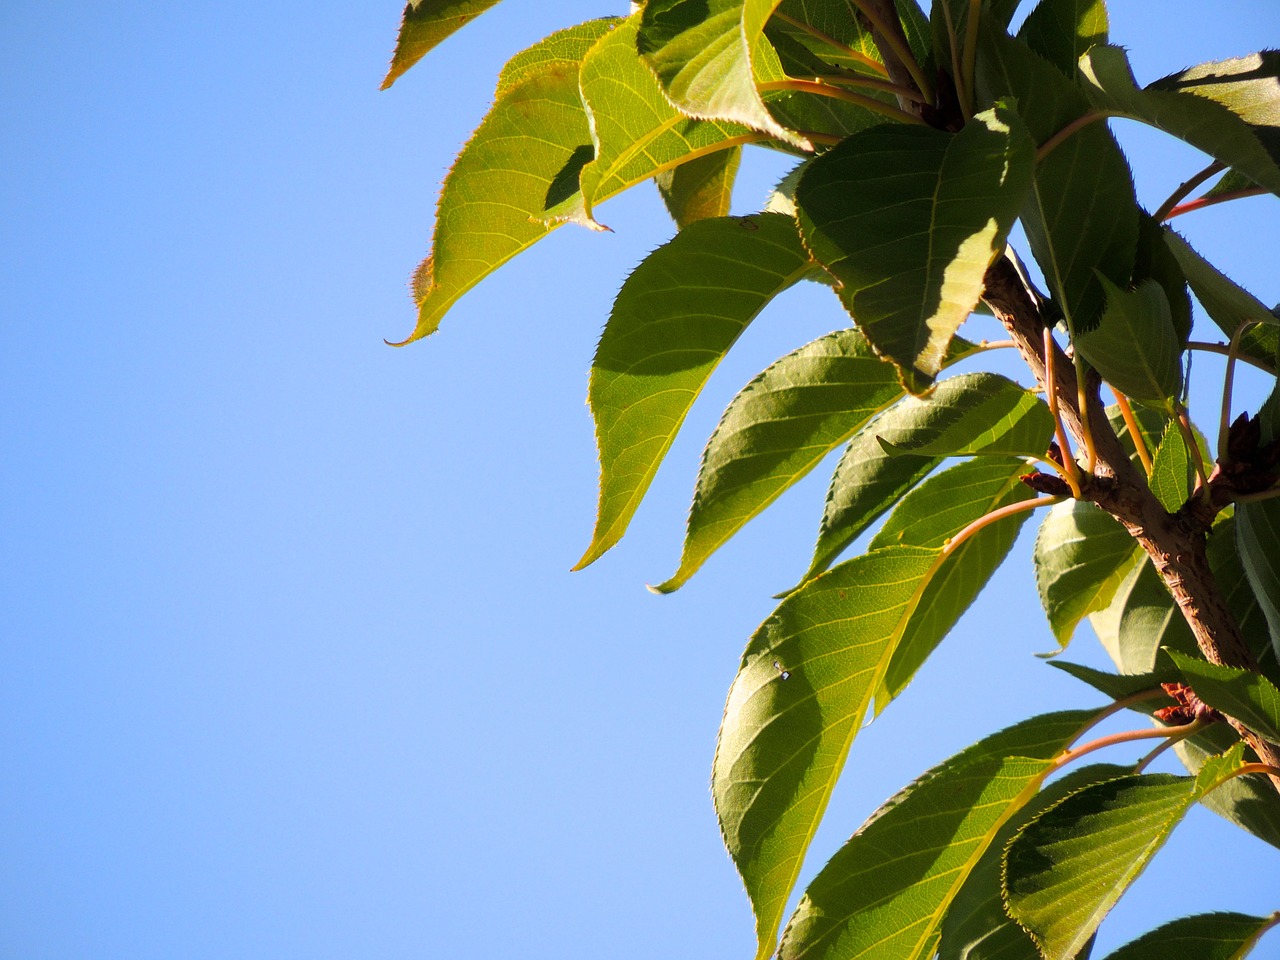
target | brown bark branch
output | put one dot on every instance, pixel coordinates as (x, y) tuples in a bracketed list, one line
[(1174, 541)]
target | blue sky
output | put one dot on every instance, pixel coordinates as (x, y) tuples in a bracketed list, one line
[(291, 664)]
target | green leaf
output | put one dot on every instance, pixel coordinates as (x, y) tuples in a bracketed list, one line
[(701, 188), (908, 219), (977, 413), (886, 891), (1062, 30), (1230, 109), (1227, 304), (1082, 217), (1119, 686), (424, 24), (1155, 261), (805, 684), (636, 131), (1067, 868), (532, 144), (1226, 562), (1257, 534), (1205, 936), (1171, 471), (1082, 555), (829, 32), (702, 52), (1247, 696), (777, 429), (1135, 346), (1249, 801), (1151, 425), (674, 319), (1141, 619), (976, 926), (929, 516)]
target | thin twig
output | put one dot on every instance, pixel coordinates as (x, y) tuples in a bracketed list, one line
[(1135, 431), (838, 93), (1184, 188), (1228, 383), (871, 83), (1189, 730), (1072, 470), (1224, 350), (1202, 202), (1009, 510), (970, 47), (1193, 448), (1074, 126), (843, 48), (893, 37), (966, 108)]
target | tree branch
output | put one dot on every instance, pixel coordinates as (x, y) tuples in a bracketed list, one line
[(1174, 542)]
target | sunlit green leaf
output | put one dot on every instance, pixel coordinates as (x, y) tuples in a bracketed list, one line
[(804, 686), (885, 892), (701, 52), (530, 147), (1135, 346), (700, 188), (1248, 697), (1171, 470), (1227, 304), (1082, 218), (1082, 555), (976, 926), (1230, 109), (978, 413), (674, 319), (929, 516), (776, 430), (636, 131), (1243, 600), (424, 24), (908, 219), (1249, 801), (1062, 30), (1205, 936), (1067, 868)]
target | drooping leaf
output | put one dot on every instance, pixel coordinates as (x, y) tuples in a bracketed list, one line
[(1227, 304), (1230, 109), (803, 688), (1141, 619), (1068, 867), (1205, 936), (1082, 217), (929, 516), (976, 926), (636, 131), (1247, 696), (1225, 560), (1171, 471), (532, 144), (674, 319), (886, 891), (1257, 537), (777, 429), (1062, 30), (1117, 686), (1082, 555), (908, 219), (701, 188), (978, 413), (702, 53), (424, 24), (1135, 346)]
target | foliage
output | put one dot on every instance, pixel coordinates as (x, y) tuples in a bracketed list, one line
[(920, 139)]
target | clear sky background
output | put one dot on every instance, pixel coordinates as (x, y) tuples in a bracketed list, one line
[(291, 664)]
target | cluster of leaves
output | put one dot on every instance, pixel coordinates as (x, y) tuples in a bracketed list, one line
[(920, 141)]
